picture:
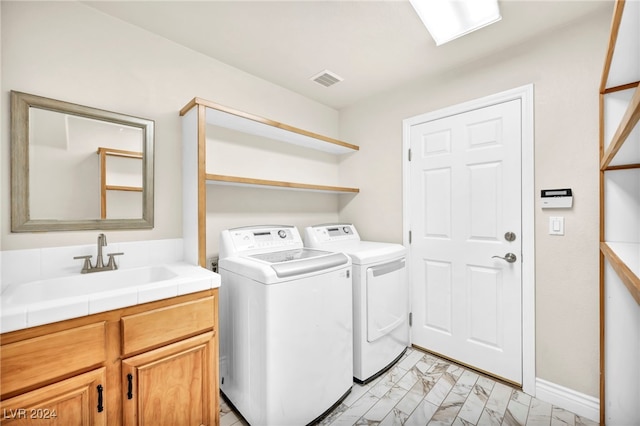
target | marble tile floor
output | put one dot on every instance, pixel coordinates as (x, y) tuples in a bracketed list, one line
[(422, 389)]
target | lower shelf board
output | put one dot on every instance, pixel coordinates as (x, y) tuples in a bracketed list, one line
[(625, 260), (242, 181)]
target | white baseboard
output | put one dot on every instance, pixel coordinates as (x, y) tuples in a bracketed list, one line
[(583, 405)]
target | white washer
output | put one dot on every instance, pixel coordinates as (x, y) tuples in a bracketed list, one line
[(286, 326), (380, 296)]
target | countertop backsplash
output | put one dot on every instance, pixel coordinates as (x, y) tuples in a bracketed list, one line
[(19, 266)]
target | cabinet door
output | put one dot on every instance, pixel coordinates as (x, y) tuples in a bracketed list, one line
[(172, 385), (76, 401)]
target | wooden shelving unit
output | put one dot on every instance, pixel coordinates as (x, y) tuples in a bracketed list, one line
[(230, 118), (624, 255), (199, 113), (620, 219), (104, 186)]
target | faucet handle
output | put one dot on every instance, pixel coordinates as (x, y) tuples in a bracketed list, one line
[(112, 262), (86, 265)]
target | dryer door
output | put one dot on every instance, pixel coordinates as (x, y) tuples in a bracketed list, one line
[(387, 298)]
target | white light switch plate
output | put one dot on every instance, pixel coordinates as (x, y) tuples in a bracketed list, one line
[(556, 225)]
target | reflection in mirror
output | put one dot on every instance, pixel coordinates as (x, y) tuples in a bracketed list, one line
[(76, 167), (69, 151)]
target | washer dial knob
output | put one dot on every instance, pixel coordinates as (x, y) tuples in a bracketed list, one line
[(282, 233)]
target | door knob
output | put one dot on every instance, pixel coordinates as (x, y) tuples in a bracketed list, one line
[(509, 257)]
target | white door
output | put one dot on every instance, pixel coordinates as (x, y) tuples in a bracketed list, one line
[(465, 209)]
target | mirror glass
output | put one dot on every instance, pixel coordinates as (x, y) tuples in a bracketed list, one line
[(78, 168)]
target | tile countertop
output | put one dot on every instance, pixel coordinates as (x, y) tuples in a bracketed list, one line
[(19, 312)]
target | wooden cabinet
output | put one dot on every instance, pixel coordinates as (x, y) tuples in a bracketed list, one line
[(33, 362), (75, 401), (148, 364), (171, 385), (197, 115), (620, 219)]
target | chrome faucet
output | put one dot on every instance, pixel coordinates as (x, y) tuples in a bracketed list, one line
[(102, 242), (99, 266)]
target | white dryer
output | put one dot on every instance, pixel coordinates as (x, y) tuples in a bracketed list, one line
[(285, 326), (380, 296)]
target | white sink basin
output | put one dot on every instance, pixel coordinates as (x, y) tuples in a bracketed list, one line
[(85, 284), (55, 299)]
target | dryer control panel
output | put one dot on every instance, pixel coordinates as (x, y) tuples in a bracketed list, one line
[(333, 232)]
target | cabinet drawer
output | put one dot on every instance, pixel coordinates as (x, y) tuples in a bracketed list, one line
[(164, 325), (41, 359)]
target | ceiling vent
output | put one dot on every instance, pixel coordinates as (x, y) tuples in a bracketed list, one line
[(326, 78)]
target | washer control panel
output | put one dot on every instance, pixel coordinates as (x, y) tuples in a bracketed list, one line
[(253, 239)]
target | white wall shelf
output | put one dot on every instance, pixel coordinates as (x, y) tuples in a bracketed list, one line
[(620, 219), (624, 145), (220, 115), (197, 115), (622, 64)]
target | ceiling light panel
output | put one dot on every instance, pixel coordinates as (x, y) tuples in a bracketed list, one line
[(447, 20)]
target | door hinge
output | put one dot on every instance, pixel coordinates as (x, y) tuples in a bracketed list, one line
[(409, 155), (410, 319)]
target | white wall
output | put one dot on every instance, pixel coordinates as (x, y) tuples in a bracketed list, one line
[(565, 69), (71, 52)]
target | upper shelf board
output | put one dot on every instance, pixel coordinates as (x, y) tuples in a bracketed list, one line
[(223, 116), (622, 63)]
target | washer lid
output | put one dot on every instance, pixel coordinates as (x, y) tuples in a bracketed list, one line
[(288, 255), (307, 265), (278, 266), (365, 252)]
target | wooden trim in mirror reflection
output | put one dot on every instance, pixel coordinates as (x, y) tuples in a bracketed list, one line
[(119, 153), (104, 187)]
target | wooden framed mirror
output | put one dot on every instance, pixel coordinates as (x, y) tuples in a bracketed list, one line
[(75, 167)]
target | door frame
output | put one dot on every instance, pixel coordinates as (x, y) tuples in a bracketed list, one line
[(525, 94)]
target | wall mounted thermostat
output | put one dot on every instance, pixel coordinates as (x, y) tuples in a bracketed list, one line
[(556, 198)]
